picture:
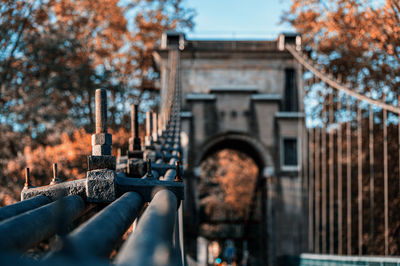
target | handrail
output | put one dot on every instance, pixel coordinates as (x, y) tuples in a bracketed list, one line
[(25, 230), (151, 242), (23, 206), (152, 175), (99, 235)]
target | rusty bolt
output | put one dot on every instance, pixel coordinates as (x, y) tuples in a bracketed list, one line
[(55, 179), (159, 125), (155, 125), (101, 150), (164, 122), (101, 111), (101, 141), (149, 170), (178, 174), (27, 179), (134, 141), (148, 124), (134, 121)]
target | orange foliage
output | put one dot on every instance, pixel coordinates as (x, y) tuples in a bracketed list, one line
[(100, 24), (70, 155), (227, 184), (357, 39), (54, 55)]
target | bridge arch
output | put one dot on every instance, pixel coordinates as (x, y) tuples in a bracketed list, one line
[(247, 227), (237, 141)]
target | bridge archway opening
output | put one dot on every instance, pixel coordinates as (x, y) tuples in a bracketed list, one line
[(227, 183), (238, 142), (230, 192)]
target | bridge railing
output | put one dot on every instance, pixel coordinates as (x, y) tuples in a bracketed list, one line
[(353, 149), (142, 189)]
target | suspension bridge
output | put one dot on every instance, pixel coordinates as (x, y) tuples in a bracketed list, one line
[(141, 208)]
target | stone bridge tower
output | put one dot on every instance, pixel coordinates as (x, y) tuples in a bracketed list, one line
[(244, 95)]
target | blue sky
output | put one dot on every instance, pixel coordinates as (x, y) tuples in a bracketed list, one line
[(238, 19)]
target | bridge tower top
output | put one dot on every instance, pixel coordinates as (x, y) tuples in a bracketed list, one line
[(172, 39), (210, 67), (228, 87)]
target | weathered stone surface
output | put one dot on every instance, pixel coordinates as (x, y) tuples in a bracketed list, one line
[(101, 139), (75, 187), (101, 162), (101, 186)]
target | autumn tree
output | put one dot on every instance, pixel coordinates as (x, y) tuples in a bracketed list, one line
[(55, 53), (357, 39)]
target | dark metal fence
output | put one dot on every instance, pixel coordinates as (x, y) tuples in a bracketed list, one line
[(354, 168)]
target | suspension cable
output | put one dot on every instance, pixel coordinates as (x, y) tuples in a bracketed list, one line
[(335, 84)]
